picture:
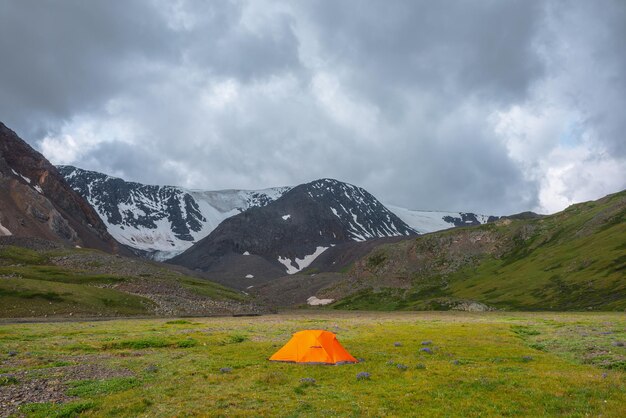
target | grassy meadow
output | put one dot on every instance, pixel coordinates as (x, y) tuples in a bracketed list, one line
[(481, 364)]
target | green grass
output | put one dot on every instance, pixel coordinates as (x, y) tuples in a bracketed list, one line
[(8, 380), (376, 259), (31, 298), (211, 289), (152, 342), (235, 339), (382, 300), (482, 365), (11, 255), (59, 274), (50, 410), (91, 388), (178, 322)]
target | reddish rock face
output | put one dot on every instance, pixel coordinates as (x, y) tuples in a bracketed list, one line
[(35, 200)]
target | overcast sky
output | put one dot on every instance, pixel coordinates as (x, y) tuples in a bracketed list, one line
[(488, 106)]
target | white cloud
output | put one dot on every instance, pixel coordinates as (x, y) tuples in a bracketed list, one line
[(578, 174), (557, 150), (220, 94), (61, 149), (83, 134), (358, 116)]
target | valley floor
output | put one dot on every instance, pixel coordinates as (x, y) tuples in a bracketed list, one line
[(482, 364)]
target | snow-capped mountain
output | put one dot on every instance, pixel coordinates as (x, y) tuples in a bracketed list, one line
[(430, 221), (161, 221), (287, 235)]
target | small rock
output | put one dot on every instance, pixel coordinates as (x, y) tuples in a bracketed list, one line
[(309, 381), (618, 343), (397, 344), (426, 350), (363, 376), (402, 367), (427, 342), (226, 369), (12, 353)]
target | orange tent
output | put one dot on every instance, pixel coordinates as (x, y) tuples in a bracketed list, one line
[(313, 347)]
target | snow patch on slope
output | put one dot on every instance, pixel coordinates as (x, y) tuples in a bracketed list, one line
[(301, 263), (423, 221), (288, 265), (429, 221), (26, 179), (314, 301), (4, 232), (29, 181)]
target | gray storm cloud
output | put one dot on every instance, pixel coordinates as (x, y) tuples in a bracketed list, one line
[(493, 106)]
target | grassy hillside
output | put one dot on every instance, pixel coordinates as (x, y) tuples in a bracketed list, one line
[(81, 282), (573, 260), (427, 364)]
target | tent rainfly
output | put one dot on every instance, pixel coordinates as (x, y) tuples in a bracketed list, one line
[(313, 347)]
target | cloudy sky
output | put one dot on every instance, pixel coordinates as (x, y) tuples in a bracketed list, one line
[(489, 106)]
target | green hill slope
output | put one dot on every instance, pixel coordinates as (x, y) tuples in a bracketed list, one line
[(61, 282), (573, 260)]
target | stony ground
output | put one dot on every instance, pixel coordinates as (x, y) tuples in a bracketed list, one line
[(49, 385), (172, 299)]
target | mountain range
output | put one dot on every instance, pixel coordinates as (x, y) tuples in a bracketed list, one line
[(161, 222)]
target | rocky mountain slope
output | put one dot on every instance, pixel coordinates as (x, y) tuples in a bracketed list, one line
[(287, 235), (572, 260), (35, 200), (161, 221)]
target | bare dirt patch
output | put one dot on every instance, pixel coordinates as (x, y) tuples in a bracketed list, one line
[(50, 384)]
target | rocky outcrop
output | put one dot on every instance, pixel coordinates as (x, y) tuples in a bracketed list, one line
[(35, 200)]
